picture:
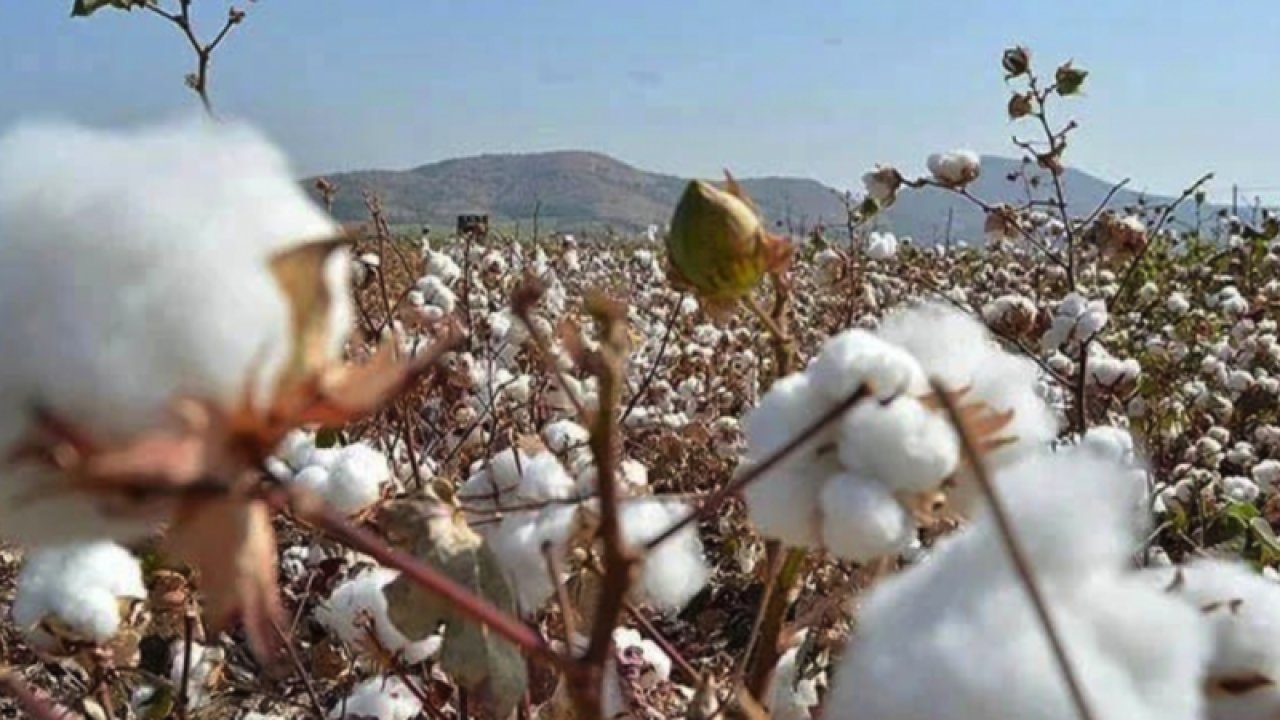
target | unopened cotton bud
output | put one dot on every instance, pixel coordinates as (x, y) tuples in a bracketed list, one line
[(1069, 79), (717, 244)]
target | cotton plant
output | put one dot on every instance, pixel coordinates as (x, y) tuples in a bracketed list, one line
[(77, 595), (858, 488), (923, 645)]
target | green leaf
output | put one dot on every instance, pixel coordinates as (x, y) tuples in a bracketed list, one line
[(488, 666), (1266, 537), (85, 8)]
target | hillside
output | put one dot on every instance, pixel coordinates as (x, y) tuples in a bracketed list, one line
[(575, 190)]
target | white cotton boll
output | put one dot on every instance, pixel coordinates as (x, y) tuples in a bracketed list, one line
[(784, 503), (435, 291), (357, 480), (203, 673), (562, 435), (861, 520), (1177, 303), (379, 698), (675, 570), (1267, 473), (627, 641), (923, 647), (440, 265), (123, 239), (355, 602), (1110, 443), (857, 357), (954, 168), (79, 586), (956, 349), (1240, 489), (790, 696), (517, 544), (545, 479), (791, 404), (903, 445), (296, 448), (1241, 610), (882, 245)]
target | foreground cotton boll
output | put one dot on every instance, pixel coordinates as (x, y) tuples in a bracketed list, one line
[(857, 357), (147, 252), (955, 637), (956, 349), (75, 594), (861, 519), (902, 444), (674, 571), (784, 502), (379, 698), (1242, 611), (359, 602)]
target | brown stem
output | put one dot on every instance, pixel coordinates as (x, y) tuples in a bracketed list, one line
[(619, 560)]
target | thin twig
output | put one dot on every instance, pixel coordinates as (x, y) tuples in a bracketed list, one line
[(1021, 564), (300, 668)]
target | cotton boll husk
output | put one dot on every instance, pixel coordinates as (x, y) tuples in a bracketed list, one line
[(903, 444), (955, 637), (861, 520), (379, 698), (147, 253), (344, 611), (1241, 610), (857, 357), (675, 570), (79, 585)]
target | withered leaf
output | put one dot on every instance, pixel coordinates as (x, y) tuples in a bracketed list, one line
[(230, 542), (300, 273), (491, 668)]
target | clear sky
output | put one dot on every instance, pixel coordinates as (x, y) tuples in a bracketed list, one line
[(803, 87)]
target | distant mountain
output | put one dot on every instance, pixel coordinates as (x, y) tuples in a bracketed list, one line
[(574, 190)]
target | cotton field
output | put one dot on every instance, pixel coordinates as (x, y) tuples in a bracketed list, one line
[(261, 465)]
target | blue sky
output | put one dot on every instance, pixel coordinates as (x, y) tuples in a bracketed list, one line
[(806, 87)]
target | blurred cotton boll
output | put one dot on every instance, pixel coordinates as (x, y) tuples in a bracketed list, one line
[(148, 252), (924, 644), (955, 168)]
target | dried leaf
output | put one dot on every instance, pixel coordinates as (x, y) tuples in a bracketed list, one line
[(231, 543), (300, 272), (491, 668)]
